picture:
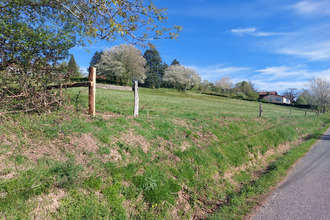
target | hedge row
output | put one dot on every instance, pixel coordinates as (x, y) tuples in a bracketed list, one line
[(98, 80)]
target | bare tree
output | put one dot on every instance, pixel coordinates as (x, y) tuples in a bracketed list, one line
[(320, 91), (181, 78), (125, 61), (224, 83), (291, 93)]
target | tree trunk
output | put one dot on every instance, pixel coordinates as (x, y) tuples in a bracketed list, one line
[(136, 99)]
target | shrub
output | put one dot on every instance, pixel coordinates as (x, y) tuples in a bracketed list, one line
[(241, 95), (66, 173)]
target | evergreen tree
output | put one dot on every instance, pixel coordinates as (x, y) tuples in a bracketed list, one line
[(73, 67), (96, 58), (155, 68), (175, 62)]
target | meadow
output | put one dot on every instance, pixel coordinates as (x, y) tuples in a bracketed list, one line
[(187, 155)]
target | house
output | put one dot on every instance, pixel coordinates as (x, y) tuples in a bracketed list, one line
[(277, 99), (263, 94), (274, 97)]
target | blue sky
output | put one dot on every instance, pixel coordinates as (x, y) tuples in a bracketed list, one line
[(276, 44)]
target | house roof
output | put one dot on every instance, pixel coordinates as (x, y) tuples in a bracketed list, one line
[(268, 93), (276, 95)]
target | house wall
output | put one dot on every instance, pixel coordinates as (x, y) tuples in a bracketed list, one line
[(277, 99)]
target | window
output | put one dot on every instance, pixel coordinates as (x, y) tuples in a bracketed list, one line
[(270, 99), (278, 99)]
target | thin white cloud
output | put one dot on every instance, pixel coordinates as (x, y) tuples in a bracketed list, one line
[(311, 51), (278, 86), (283, 72), (252, 31), (243, 31), (311, 43), (282, 77), (216, 72), (313, 7), (276, 78)]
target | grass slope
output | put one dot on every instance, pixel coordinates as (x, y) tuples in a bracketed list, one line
[(186, 155)]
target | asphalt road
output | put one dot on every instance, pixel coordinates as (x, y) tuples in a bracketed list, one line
[(306, 192)]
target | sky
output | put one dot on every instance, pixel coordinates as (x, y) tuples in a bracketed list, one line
[(275, 44)]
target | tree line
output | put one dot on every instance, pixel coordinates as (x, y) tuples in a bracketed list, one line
[(316, 93), (153, 73), (121, 64)]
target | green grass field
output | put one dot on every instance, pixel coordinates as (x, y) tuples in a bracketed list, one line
[(186, 155)]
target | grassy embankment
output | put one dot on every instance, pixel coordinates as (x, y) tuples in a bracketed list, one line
[(186, 155)]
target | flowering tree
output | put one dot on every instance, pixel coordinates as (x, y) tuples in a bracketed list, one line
[(320, 91), (181, 78), (125, 61)]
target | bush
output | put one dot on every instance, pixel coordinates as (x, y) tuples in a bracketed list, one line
[(67, 172), (78, 79), (98, 80), (253, 95), (241, 95)]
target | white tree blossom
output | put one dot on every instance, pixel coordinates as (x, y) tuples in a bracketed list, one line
[(224, 83), (181, 78), (320, 91), (124, 61)]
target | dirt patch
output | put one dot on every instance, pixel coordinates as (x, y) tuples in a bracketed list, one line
[(180, 122), (203, 139), (57, 149), (269, 153), (4, 141), (165, 148), (200, 213), (48, 204), (7, 176), (184, 146), (109, 115), (3, 158), (182, 205), (131, 207), (85, 143), (114, 155), (52, 150), (174, 158), (135, 140), (8, 140)]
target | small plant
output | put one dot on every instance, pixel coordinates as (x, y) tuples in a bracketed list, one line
[(67, 173), (149, 184), (93, 183)]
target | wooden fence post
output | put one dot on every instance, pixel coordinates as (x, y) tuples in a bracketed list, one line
[(260, 110), (92, 91), (290, 111), (305, 113)]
